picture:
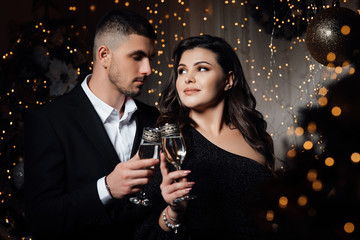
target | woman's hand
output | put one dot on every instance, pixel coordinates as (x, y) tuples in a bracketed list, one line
[(171, 189)]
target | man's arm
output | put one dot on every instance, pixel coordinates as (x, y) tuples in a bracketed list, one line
[(50, 205)]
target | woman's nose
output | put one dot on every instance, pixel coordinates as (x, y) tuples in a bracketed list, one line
[(189, 78)]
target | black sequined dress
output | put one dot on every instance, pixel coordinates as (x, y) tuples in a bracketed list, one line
[(226, 189)]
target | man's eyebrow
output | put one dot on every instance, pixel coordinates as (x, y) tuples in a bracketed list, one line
[(141, 53)]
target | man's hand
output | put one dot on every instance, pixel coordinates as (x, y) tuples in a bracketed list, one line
[(128, 177)]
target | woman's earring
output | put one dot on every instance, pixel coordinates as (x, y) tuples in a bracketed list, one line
[(228, 87)]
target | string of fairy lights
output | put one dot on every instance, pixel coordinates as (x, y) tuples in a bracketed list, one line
[(172, 25)]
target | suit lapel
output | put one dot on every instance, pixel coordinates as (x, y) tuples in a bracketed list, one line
[(144, 117), (138, 134), (90, 122)]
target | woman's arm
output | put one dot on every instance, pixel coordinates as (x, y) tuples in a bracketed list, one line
[(171, 216)]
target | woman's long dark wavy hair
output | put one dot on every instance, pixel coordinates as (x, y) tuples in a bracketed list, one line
[(240, 103)]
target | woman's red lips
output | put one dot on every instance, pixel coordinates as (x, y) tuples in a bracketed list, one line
[(189, 91)]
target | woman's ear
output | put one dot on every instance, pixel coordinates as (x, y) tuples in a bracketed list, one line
[(104, 56), (229, 81)]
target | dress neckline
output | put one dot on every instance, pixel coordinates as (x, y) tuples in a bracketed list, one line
[(221, 149)]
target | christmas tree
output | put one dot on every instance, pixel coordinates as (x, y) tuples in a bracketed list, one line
[(45, 60), (318, 196)]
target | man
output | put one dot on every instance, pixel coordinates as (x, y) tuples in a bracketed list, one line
[(80, 150)]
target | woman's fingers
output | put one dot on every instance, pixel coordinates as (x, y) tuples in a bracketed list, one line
[(178, 186), (163, 167), (174, 184), (172, 176), (178, 194)]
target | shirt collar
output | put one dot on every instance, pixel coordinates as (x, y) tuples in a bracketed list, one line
[(104, 110)]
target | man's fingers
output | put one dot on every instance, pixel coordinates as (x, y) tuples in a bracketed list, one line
[(141, 164)]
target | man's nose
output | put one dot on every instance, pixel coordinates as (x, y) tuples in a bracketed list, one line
[(145, 67)]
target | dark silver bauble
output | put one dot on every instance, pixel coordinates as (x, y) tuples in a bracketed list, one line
[(334, 30)]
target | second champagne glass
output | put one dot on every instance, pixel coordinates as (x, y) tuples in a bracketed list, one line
[(149, 148), (174, 148)]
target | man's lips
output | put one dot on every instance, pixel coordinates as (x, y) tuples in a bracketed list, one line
[(140, 82), (190, 91)]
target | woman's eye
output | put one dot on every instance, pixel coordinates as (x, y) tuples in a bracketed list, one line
[(203, 69), (181, 71)]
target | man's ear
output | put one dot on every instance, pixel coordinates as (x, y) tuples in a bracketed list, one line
[(229, 81), (104, 56)]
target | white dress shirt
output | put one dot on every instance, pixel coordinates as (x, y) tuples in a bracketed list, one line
[(121, 131)]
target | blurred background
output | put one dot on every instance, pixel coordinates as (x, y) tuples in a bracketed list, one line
[(46, 48)]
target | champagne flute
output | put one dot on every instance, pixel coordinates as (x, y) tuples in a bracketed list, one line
[(149, 148), (174, 148)]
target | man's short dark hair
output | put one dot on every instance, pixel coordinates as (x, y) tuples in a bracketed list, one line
[(126, 22), (121, 23)]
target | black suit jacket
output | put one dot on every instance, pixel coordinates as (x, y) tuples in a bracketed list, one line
[(66, 151)]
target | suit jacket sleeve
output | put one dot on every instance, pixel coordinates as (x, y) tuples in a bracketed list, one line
[(66, 151), (55, 203)]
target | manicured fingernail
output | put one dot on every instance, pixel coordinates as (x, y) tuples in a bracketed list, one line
[(186, 171), (190, 184), (188, 189)]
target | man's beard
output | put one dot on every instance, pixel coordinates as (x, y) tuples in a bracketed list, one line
[(130, 93)]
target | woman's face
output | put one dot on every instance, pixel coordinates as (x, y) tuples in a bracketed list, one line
[(201, 82)]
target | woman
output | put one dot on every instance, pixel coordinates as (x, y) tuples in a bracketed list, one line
[(229, 152)]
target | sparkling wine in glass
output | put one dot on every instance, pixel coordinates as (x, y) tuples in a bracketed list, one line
[(173, 146), (149, 148)]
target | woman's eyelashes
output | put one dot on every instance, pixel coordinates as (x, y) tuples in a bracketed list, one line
[(203, 69), (181, 71), (199, 69)]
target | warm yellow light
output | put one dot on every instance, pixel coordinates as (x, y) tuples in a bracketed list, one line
[(299, 131), (311, 127), (270, 215), (345, 64), (291, 153), (345, 30), (302, 200), (330, 65), (338, 70), (317, 185), (352, 70), (323, 91), (336, 111), (355, 157), (311, 175), (329, 161), (283, 202), (323, 101), (331, 56), (308, 145), (92, 8), (349, 227)]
